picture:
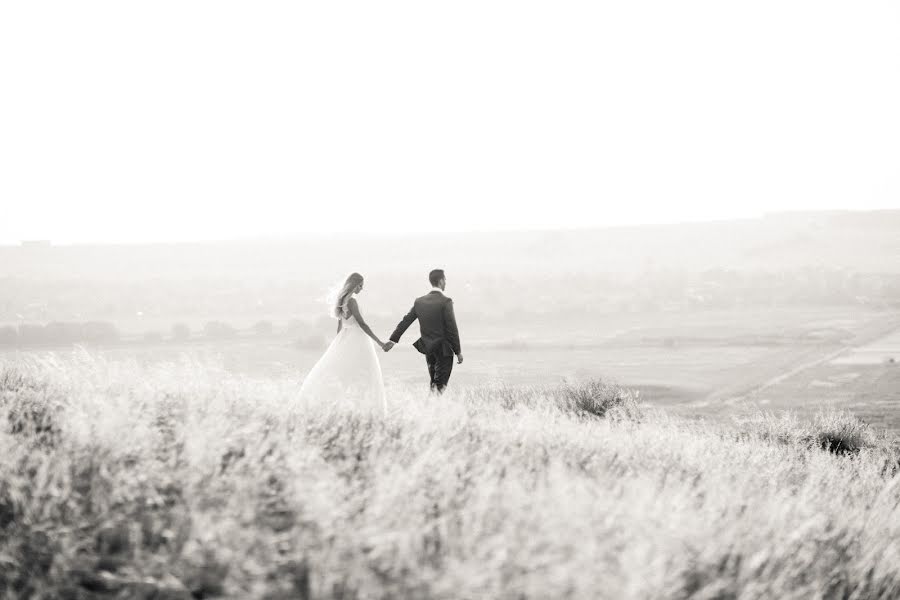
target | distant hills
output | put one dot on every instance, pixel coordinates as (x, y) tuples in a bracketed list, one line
[(861, 241), (540, 277)]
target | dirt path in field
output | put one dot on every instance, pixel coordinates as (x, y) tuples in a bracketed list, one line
[(791, 372), (791, 363)]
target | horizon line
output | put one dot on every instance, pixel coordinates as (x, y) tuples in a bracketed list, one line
[(313, 235)]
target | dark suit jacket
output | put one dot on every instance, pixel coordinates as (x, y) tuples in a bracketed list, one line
[(437, 325)]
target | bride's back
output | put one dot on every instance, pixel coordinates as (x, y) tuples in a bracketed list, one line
[(347, 317)]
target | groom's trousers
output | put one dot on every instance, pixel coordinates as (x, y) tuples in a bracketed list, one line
[(439, 369)]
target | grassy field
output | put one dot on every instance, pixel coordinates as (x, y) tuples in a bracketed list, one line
[(712, 364), (183, 479)]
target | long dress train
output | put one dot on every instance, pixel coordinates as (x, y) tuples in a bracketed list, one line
[(348, 373)]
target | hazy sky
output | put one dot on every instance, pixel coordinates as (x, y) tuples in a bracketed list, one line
[(194, 120)]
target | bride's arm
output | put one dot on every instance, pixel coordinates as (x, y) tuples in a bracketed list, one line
[(354, 310), (340, 324)]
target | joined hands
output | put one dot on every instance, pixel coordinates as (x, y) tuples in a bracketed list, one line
[(387, 346)]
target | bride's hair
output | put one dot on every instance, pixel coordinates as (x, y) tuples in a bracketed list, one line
[(340, 300)]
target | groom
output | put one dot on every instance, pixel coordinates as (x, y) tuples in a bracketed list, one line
[(439, 339)]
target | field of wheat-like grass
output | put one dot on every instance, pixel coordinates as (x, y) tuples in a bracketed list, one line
[(184, 481)]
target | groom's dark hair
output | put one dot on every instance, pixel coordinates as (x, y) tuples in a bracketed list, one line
[(435, 277)]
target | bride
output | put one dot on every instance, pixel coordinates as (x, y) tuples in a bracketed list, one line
[(349, 372)]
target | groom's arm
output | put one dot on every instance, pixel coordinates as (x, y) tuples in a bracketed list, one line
[(451, 329), (404, 325)]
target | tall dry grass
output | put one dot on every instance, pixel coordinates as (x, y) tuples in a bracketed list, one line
[(181, 481)]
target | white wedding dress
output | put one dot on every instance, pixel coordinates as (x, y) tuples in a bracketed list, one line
[(348, 373)]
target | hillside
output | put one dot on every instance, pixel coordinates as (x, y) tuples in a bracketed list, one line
[(864, 241), (791, 259), (180, 480)]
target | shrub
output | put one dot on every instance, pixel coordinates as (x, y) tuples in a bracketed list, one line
[(838, 432), (783, 428), (842, 433), (598, 398)]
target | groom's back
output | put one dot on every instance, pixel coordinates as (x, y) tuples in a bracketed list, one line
[(437, 325), (430, 310)]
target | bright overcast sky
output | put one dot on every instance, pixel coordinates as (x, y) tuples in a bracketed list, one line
[(197, 120)]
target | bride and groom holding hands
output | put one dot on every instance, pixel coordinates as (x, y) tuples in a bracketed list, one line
[(349, 371)]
